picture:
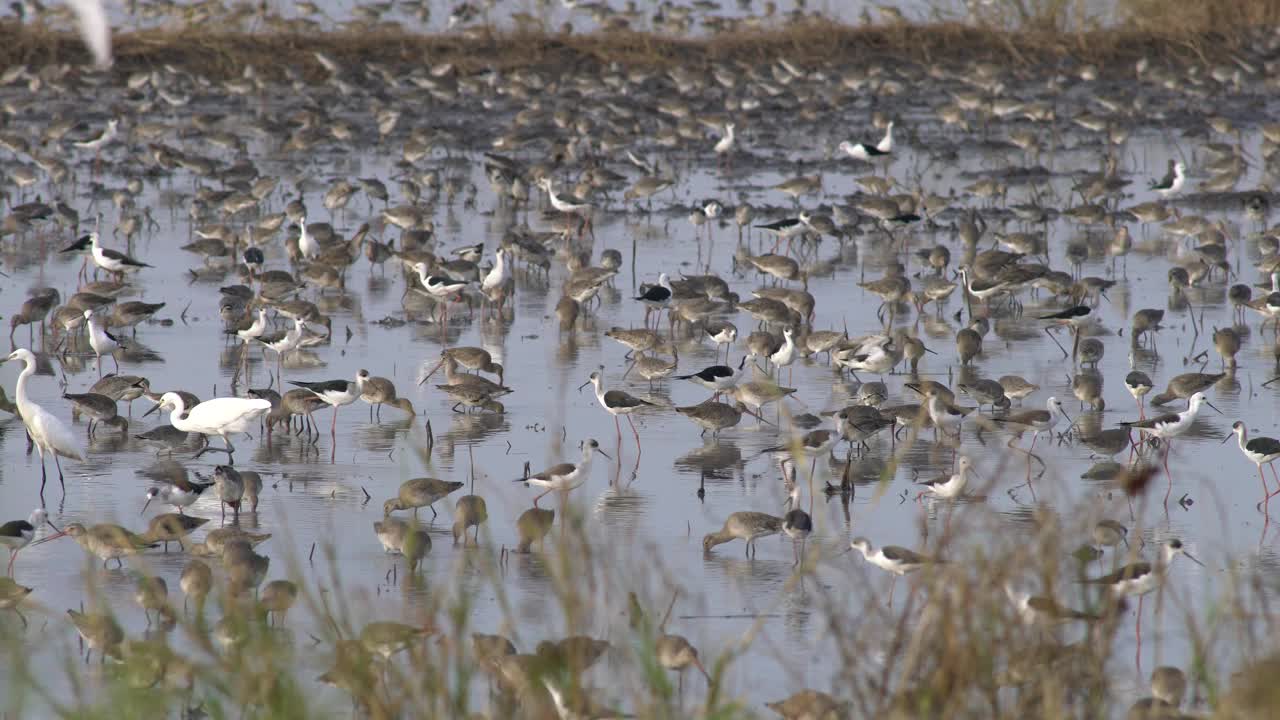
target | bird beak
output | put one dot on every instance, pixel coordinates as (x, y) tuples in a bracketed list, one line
[(433, 372), (44, 540), (603, 453), (1193, 559), (153, 409), (144, 506), (1228, 437), (583, 385), (1215, 409)]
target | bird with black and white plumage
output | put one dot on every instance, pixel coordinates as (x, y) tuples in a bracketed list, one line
[(1260, 451), (110, 260), (1073, 317), (1141, 578), (897, 560), (336, 393), (784, 229), (721, 333), (565, 476), (717, 378), (656, 297), (180, 492), (948, 487), (1172, 182), (616, 402), (102, 342), (17, 534), (866, 151)]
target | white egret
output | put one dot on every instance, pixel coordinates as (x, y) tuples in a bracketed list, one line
[(48, 433), (219, 416)]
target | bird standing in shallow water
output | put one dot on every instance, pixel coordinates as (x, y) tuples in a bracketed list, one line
[(48, 433), (565, 476), (1260, 451), (17, 534), (616, 402), (746, 525), (897, 560)]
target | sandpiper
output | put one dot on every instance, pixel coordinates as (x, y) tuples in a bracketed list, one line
[(745, 525), (420, 492)]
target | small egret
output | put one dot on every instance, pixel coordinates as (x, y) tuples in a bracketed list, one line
[(219, 416), (48, 433)]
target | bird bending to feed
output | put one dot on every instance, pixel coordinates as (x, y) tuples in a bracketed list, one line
[(220, 416), (106, 541), (746, 525), (419, 493), (565, 476)]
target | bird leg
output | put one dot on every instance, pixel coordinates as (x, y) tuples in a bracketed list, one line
[(1047, 331)]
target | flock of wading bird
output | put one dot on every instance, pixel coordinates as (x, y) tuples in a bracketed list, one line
[(562, 153)]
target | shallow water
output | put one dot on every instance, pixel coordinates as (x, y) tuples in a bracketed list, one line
[(642, 506)]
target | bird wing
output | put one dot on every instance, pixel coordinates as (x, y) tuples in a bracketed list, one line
[(226, 410), (94, 29), (55, 433), (617, 398), (905, 556), (1128, 572), (1152, 422), (555, 470)]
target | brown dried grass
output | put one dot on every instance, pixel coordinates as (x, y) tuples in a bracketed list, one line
[(1192, 32)]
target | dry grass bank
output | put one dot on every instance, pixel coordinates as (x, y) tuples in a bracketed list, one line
[(1183, 32)]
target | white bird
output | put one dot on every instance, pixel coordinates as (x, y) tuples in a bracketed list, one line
[(106, 136), (563, 204), (495, 282), (786, 354), (565, 476), (48, 433), (102, 342), (948, 487), (94, 30), (219, 416), (255, 330), (307, 244), (864, 151), (725, 144), (497, 277)]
